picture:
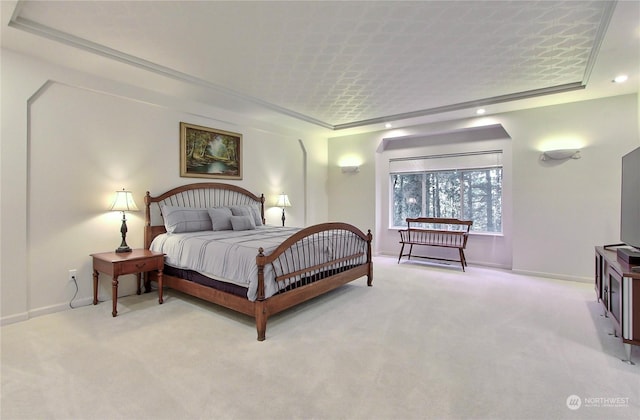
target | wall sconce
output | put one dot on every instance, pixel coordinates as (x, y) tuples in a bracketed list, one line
[(283, 201), (561, 154), (350, 169), (123, 202)]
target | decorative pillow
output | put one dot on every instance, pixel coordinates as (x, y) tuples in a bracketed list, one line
[(221, 218), (183, 219), (242, 223), (249, 210)]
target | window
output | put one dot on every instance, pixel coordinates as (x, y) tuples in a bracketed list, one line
[(429, 187)]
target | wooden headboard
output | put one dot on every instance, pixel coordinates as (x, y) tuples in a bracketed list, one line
[(199, 195)]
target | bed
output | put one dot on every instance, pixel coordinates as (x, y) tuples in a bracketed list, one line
[(231, 258)]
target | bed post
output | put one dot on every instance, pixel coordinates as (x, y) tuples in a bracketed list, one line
[(369, 262), (264, 221), (147, 220), (261, 319), (260, 312), (260, 260)]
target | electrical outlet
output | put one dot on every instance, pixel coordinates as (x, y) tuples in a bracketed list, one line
[(73, 274)]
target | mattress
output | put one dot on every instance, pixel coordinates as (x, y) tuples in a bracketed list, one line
[(227, 256)]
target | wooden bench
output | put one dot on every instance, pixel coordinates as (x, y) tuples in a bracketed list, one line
[(438, 232)]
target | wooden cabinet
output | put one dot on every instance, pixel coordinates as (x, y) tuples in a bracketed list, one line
[(617, 286)]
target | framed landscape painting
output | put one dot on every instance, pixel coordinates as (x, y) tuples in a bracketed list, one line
[(209, 153)]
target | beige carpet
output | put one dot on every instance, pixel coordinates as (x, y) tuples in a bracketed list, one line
[(424, 342)]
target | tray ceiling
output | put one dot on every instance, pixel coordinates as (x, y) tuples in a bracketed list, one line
[(342, 64)]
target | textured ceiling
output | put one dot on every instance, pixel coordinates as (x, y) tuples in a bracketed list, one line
[(343, 63)]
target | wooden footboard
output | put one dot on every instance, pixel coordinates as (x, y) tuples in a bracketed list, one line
[(310, 263)]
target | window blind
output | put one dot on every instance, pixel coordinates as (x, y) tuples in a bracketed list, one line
[(472, 160)]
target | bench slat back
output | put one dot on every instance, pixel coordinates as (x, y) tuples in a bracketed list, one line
[(439, 223), (453, 239), (437, 231)]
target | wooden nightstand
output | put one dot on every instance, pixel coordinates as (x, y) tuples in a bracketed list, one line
[(116, 264)]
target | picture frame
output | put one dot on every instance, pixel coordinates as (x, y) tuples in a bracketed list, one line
[(209, 153)]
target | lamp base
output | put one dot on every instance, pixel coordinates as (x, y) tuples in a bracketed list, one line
[(123, 231)]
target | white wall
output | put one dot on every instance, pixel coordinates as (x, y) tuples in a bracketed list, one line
[(70, 140), (353, 195), (559, 211)]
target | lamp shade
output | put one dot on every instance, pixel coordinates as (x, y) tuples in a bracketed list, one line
[(124, 202), (283, 201)]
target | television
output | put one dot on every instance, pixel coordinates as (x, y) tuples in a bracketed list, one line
[(630, 207)]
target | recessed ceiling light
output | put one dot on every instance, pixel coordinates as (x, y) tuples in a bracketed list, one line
[(480, 111), (388, 125), (620, 79)]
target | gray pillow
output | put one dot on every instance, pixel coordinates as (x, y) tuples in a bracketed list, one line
[(242, 223), (184, 219), (248, 210), (221, 218)]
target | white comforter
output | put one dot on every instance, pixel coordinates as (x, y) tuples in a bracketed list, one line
[(225, 255)]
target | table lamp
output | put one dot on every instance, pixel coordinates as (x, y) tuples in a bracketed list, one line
[(283, 201), (124, 202)]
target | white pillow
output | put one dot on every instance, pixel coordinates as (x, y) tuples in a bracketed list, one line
[(249, 210), (184, 219), (221, 218), (243, 223)]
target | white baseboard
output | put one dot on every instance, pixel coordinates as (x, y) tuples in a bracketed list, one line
[(12, 319), (470, 263), (555, 276), (59, 307), (24, 316), (578, 279)]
